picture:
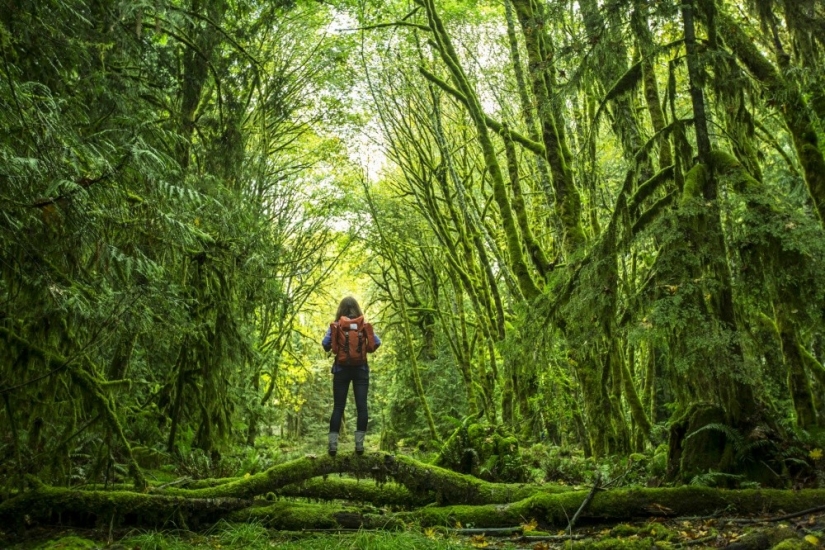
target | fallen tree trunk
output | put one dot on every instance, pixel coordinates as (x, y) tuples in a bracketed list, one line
[(553, 510), (354, 490), (328, 488), (419, 478), (297, 516), (95, 508), (471, 501)]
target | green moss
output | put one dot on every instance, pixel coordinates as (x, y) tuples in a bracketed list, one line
[(694, 449), (68, 543), (485, 451), (728, 166), (297, 516), (620, 544), (655, 530), (794, 544), (647, 188), (694, 183), (652, 213), (335, 488), (555, 509), (626, 82), (46, 504), (624, 530)]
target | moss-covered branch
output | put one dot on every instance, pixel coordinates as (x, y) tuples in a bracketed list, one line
[(647, 188), (794, 108), (417, 477), (84, 376), (448, 55), (492, 124), (540, 55)]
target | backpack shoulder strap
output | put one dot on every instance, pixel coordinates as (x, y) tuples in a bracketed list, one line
[(334, 328), (370, 337)]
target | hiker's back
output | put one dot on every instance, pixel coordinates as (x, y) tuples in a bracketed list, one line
[(352, 339)]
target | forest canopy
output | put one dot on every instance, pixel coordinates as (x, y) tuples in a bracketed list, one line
[(586, 228)]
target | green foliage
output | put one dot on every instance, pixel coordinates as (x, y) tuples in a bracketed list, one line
[(487, 452), (154, 540), (715, 479), (70, 543), (186, 192), (254, 537), (242, 535), (568, 466), (157, 229)]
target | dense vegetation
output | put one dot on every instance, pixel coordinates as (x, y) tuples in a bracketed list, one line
[(590, 230)]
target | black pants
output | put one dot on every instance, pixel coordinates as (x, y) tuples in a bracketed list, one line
[(360, 379)]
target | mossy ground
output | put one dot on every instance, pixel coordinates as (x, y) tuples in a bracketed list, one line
[(246, 536), (802, 533)]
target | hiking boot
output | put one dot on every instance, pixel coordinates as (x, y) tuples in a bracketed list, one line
[(359, 442), (333, 443)]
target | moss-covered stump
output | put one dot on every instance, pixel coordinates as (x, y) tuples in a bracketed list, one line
[(701, 441), (420, 479), (554, 510), (692, 452), (484, 451), (90, 508)]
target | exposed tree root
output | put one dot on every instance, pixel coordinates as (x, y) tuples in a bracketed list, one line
[(471, 501)]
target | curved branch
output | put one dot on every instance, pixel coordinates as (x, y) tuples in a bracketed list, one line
[(492, 124), (417, 477)]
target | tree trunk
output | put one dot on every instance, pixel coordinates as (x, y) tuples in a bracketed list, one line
[(526, 104), (516, 256), (539, 54), (740, 399)]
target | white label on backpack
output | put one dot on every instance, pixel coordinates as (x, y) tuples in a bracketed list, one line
[(353, 326)]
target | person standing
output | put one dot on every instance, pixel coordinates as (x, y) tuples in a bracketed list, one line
[(350, 339)]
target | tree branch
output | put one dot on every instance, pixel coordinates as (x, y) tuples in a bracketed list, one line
[(494, 125)]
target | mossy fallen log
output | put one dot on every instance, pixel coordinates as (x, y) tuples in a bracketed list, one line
[(554, 510), (333, 488), (296, 516), (419, 478), (92, 508), (354, 490), (471, 501)]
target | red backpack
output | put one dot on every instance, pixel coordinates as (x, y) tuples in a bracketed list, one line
[(352, 339)]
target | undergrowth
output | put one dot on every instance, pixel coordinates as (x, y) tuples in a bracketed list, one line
[(570, 467), (253, 536)]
